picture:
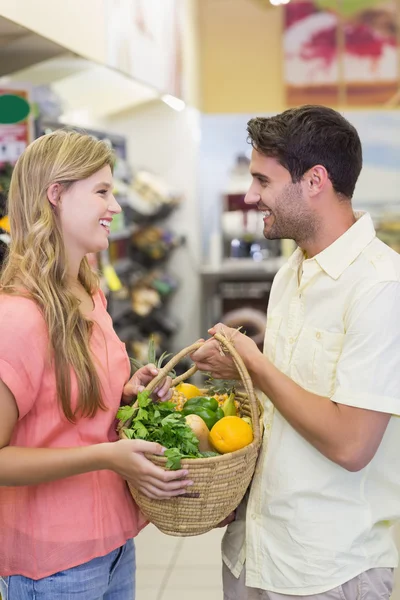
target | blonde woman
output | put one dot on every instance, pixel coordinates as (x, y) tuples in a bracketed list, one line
[(66, 518)]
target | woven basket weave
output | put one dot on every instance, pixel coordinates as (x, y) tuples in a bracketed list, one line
[(219, 483)]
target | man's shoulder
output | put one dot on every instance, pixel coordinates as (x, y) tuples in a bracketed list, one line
[(382, 263)]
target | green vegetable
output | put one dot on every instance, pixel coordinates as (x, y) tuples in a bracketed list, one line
[(204, 402), (206, 408), (220, 413), (161, 423), (229, 406), (209, 417)]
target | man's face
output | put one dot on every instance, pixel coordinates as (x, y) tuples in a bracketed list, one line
[(286, 213)]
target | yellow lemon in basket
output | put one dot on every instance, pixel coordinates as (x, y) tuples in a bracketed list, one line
[(188, 390), (230, 434)]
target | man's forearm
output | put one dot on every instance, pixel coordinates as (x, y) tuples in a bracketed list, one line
[(340, 433)]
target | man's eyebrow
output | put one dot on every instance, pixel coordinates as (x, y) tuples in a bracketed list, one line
[(260, 176)]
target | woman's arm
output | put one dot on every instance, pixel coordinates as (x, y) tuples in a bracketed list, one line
[(29, 466)]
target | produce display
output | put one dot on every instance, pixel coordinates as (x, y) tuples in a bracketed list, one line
[(191, 425)]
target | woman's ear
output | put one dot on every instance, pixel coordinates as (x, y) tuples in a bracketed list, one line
[(54, 193)]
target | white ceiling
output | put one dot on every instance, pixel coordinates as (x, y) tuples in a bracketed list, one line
[(20, 48), (88, 90)]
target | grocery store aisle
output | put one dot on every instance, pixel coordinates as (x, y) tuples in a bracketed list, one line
[(171, 568)]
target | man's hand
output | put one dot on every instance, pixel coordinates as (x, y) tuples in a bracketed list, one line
[(221, 366), (140, 379), (229, 519)]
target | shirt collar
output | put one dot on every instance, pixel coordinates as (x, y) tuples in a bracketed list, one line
[(335, 259)]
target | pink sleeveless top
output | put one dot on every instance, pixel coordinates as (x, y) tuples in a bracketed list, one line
[(54, 526)]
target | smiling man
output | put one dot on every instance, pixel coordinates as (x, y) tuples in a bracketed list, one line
[(317, 521)]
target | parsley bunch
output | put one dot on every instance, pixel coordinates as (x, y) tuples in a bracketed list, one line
[(162, 423)]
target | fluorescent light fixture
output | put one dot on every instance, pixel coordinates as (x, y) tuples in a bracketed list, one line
[(173, 102)]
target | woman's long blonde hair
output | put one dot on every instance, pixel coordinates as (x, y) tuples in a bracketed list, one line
[(36, 265)]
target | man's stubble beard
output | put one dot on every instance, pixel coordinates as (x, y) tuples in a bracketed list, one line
[(293, 219)]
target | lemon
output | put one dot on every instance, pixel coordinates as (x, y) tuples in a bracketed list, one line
[(188, 390)]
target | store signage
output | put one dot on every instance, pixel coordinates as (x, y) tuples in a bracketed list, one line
[(15, 124), (144, 40), (13, 109)]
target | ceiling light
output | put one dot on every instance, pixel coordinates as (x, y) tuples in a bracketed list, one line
[(173, 102)]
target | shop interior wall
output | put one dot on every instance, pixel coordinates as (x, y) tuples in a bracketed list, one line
[(167, 143), (240, 57)]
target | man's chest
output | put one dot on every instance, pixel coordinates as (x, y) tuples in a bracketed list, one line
[(306, 328)]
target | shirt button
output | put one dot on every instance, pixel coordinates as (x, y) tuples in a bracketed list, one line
[(318, 335), (254, 517), (291, 340)]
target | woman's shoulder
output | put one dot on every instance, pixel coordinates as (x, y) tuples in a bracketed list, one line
[(100, 296), (20, 312)]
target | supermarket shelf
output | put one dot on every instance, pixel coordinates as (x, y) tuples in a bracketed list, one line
[(244, 268), (122, 234)]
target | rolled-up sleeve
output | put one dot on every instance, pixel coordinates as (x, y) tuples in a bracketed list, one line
[(368, 372)]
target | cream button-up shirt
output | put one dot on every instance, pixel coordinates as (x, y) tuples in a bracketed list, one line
[(333, 326)]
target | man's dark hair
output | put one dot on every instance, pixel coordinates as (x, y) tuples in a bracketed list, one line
[(300, 138)]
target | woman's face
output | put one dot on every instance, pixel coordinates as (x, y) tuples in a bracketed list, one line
[(86, 210)]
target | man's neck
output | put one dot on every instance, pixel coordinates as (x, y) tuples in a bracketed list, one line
[(328, 233)]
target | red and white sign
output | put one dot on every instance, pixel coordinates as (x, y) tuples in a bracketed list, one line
[(15, 138)]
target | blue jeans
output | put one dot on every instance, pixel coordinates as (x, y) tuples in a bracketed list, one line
[(110, 577)]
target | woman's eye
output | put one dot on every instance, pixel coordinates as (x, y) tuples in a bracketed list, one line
[(102, 192)]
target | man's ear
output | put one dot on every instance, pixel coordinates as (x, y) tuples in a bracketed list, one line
[(316, 179), (54, 193)]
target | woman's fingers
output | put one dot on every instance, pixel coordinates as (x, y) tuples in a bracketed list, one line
[(156, 494), (165, 388)]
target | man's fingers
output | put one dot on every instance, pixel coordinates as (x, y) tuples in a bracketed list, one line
[(231, 517)]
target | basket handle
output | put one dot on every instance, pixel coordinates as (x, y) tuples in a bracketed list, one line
[(240, 366), (163, 372)]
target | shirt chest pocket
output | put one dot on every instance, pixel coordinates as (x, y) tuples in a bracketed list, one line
[(315, 358)]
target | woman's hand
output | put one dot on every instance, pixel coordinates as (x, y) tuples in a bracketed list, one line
[(221, 366), (126, 457), (141, 379)]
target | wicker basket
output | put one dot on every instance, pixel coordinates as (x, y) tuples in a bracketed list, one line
[(219, 483)]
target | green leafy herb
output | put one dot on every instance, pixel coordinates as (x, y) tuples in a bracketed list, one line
[(161, 423), (174, 459), (125, 413)]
